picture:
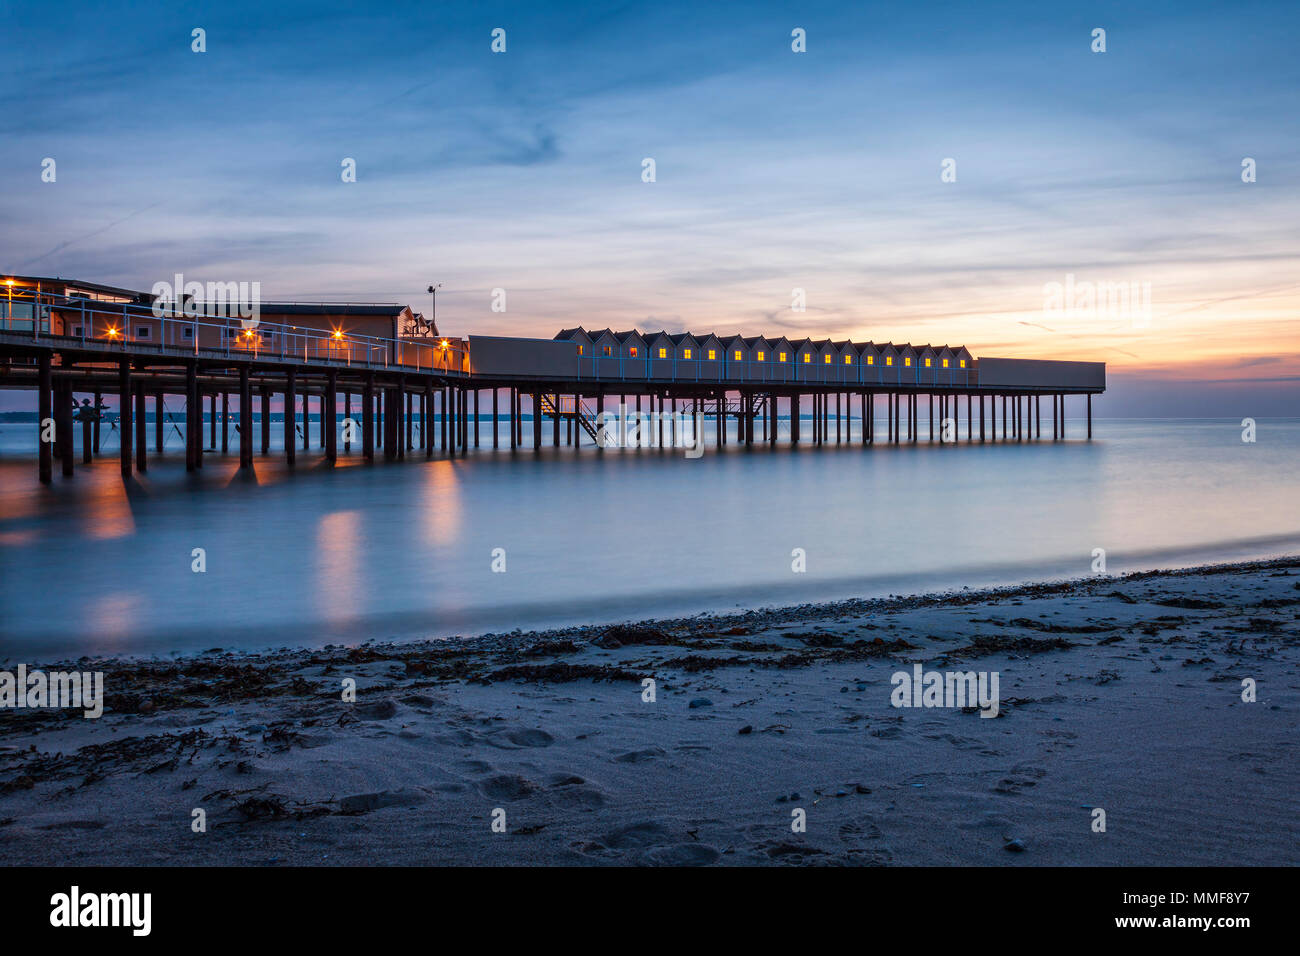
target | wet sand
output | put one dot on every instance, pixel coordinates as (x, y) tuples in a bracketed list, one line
[(1123, 694)]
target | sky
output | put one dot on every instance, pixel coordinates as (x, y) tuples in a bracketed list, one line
[(775, 170)]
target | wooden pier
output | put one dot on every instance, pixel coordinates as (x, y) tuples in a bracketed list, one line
[(427, 395)]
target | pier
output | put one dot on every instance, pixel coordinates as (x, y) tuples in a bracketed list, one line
[(382, 381)]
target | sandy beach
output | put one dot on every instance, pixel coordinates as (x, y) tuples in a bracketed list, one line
[(1124, 694)]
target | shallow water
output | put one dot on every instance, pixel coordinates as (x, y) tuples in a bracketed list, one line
[(315, 555)]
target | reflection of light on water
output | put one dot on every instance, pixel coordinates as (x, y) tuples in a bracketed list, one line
[(337, 550), (113, 618), (109, 512), (442, 511), (12, 539)]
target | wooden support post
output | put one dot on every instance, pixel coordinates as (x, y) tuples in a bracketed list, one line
[(141, 429), (1062, 416), (99, 398), (1089, 416), (476, 419), (264, 417), (290, 414), (87, 446), (409, 419), (246, 418), (328, 423), (45, 407), (306, 419), (63, 424), (555, 420), (124, 419), (190, 417), (212, 421), (496, 416), (368, 419), (388, 422), (600, 418), (225, 421), (514, 411)]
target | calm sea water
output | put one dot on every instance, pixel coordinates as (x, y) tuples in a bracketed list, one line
[(315, 555)]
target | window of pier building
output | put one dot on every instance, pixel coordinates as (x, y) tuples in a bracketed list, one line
[(631, 352), (663, 353), (827, 359), (686, 353), (908, 361), (782, 357), (927, 363), (713, 355), (848, 360), (807, 357), (762, 356), (737, 355)]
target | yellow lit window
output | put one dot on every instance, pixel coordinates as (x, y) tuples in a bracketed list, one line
[(782, 356), (632, 352), (927, 363), (908, 361), (579, 349), (807, 357), (945, 363), (605, 350), (963, 363), (848, 360), (713, 355), (889, 360), (737, 355), (871, 360), (762, 356), (827, 359), (663, 353), (686, 353)]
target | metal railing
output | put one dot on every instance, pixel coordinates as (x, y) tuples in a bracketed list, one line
[(119, 325)]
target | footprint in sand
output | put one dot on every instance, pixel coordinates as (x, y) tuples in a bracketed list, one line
[(519, 738), (639, 756), (507, 786)]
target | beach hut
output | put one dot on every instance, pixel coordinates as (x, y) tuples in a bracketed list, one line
[(606, 349), (846, 362), (582, 343), (760, 358), (963, 366), (712, 357), (907, 365), (802, 355), (782, 360), (660, 348), (890, 371), (869, 363), (927, 365), (737, 352), (634, 353), (686, 351)]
